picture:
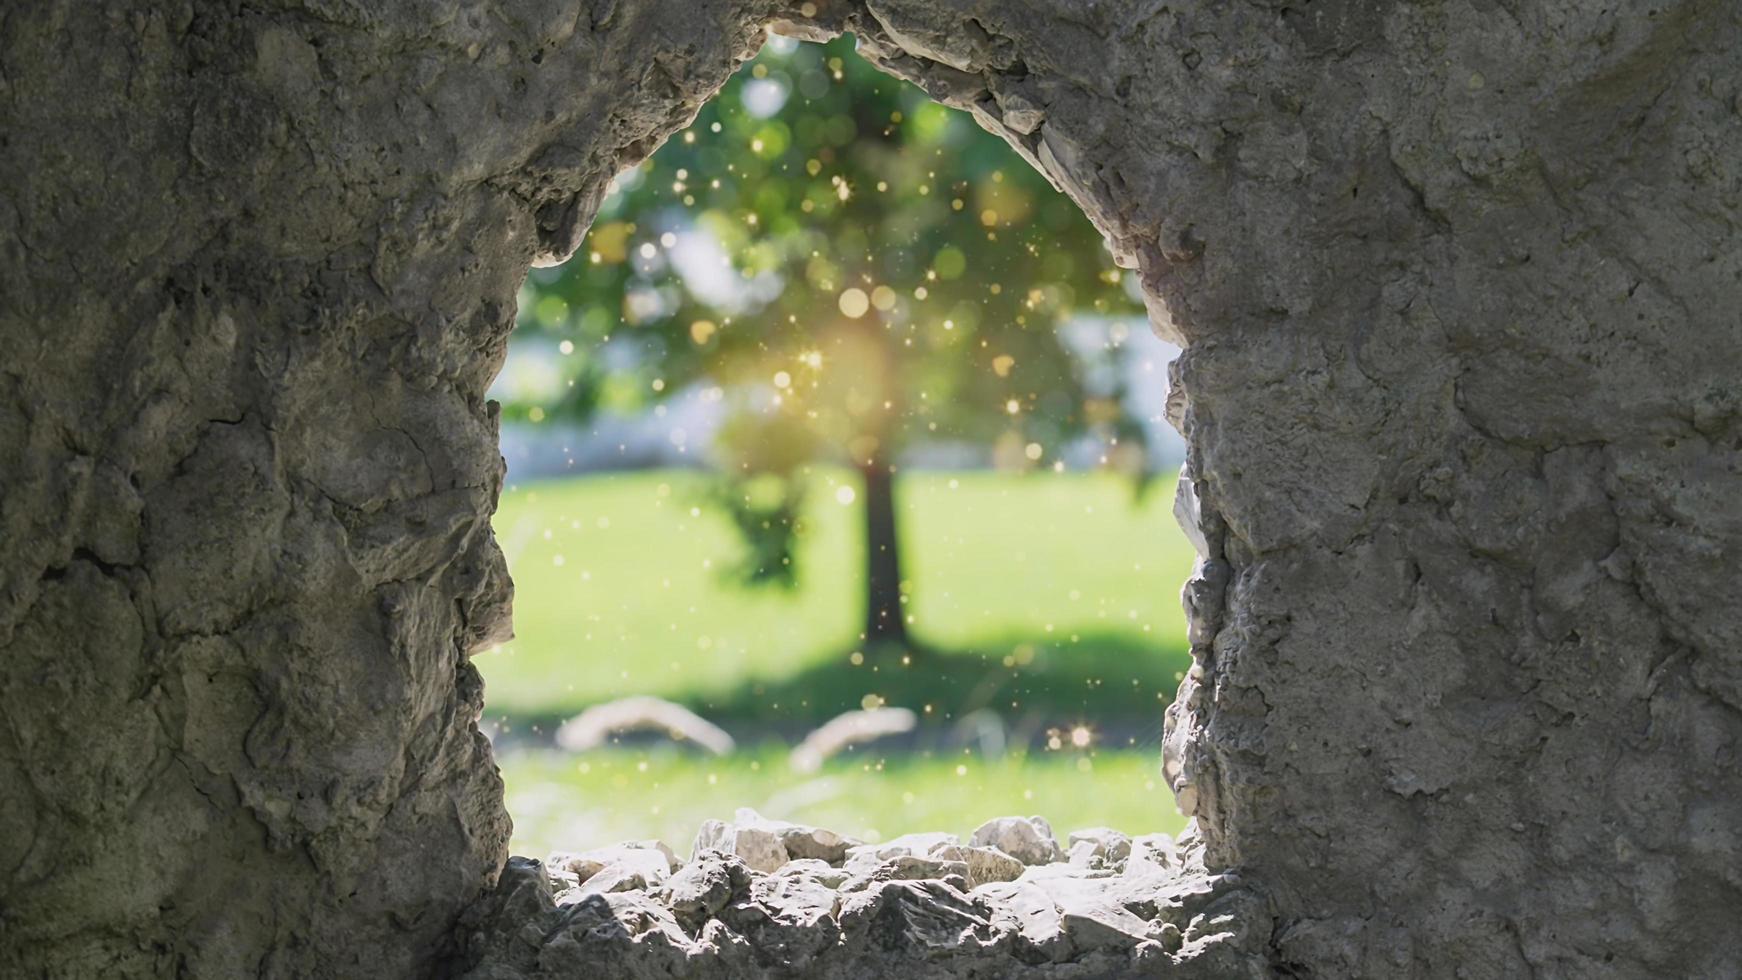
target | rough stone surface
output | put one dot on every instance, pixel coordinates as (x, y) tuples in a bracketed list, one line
[(757, 846), (921, 844), (652, 854), (623, 867), (983, 864), (799, 841), (717, 918), (1027, 839), (1105, 843), (1462, 393)]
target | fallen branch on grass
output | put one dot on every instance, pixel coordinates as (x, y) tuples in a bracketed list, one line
[(592, 727), (848, 729)]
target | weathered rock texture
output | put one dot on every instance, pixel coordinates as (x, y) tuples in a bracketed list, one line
[(1459, 286), (908, 908)]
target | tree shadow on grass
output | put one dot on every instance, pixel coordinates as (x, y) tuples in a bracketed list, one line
[(1027, 683), (1090, 677)]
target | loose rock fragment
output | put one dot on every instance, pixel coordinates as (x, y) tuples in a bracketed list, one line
[(1083, 854), (1027, 839), (635, 864), (1109, 845), (820, 871), (912, 867), (984, 864), (799, 840), (757, 847), (914, 844), (863, 859), (1020, 112), (704, 886), (1159, 849)]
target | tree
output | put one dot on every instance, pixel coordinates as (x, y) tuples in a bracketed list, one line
[(852, 267)]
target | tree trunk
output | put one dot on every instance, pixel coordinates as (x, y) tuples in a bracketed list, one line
[(885, 619), (885, 622)]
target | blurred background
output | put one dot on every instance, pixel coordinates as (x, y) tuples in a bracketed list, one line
[(840, 409)]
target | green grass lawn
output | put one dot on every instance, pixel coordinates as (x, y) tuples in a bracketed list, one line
[(563, 802), (1046, 587), (1046, 600)]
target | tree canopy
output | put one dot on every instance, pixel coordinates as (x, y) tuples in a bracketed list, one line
[(850, 268)]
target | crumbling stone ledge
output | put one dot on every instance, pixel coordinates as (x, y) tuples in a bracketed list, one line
[(764, 899)]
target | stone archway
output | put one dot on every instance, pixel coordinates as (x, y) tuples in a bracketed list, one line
[(1457, 284)]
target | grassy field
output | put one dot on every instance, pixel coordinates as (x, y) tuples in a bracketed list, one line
[(1046, 600), (563, 802), (619, 591)]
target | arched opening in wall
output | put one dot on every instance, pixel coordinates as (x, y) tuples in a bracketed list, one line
[(838, 489)]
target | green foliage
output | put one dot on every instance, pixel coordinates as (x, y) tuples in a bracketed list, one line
[(765, 509), (890, 269)]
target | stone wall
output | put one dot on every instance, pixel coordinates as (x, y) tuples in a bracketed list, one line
[(769, 900), (1459, 287)]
